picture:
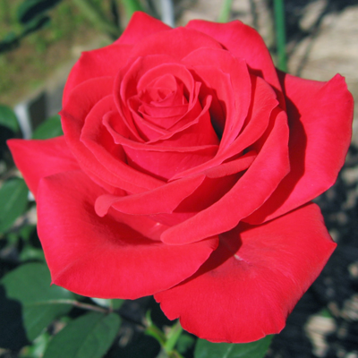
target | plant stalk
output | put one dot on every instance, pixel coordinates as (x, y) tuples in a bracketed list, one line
[(173, 336), (279, 15), (78, 304), (225, 10)]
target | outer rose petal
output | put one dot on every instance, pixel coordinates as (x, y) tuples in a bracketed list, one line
[(140, 26), (102, 62), (237, 100), (39, 158), (259, 272), (101, 257), (87, 97), (263, 106), (161, 200), (186, 41), (320, 116), (252, 189), (244, 42)]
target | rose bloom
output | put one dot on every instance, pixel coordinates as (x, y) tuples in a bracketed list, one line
[(186, 171)]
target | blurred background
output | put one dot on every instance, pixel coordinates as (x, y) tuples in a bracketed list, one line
[(40, 40)]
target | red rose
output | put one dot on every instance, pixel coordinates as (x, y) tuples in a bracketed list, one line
[(186, 171)]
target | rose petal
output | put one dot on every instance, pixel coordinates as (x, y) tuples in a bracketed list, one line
[(234, 95), (48, 156), (191, 110), (135, 78), (217, 85), (186, 40), (244, 42), (96, 138), (145, 129), (163, 116), (263, 103), (94, 132), (102, 62), (147, 72), (320, 132), (253, 189), (232, 166), (163, 102), (164, 161), (100, 257), (180, 199), (126, 86), (164, 164), (83, 99), (209, 192), (194, 137), (140, 26), (150, 228), (198, 132), (162, 200), (252, 281), (164, 94)]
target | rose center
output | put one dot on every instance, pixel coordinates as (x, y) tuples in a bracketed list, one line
[(162, 103)]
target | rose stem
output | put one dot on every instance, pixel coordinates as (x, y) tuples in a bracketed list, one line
[(279, 14), (225, 10)]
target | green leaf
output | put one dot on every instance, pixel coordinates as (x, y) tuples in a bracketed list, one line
[(35, 24), (31, 253), (37, 349), (8, 118), (30, 284), (49, 129), (89, 336), (185, 342), (117, 303), (140, 346), (13, 199), (30, 9), (9, 42), (26, 231), (25, 10), (257, 349), (13, 335)]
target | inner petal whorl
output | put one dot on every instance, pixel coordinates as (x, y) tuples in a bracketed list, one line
[(163, 102)]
